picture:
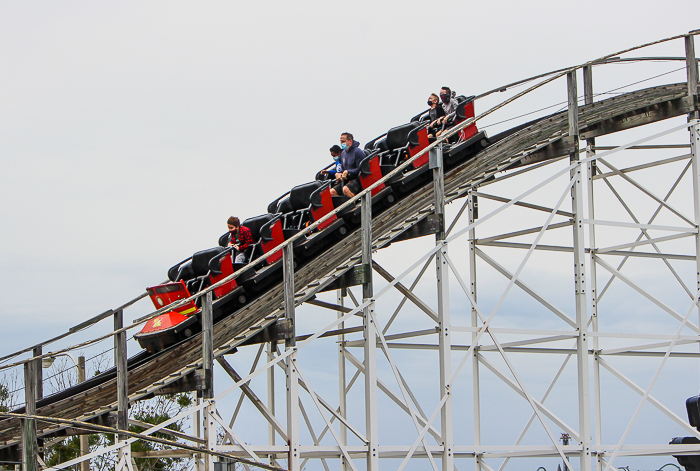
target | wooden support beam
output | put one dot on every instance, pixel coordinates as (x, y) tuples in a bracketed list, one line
[(37, 352), (558, 148), (29, 439), (639, 117), (120, 360), (84, 443), (208, 346), (429, 225), (692, 74), (355, 276)]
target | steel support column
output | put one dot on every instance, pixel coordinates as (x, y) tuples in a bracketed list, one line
[(342, 380), (443, 297), (476, 390), (580, 279), (271, 348), (593, 278), (197, 430), (370, 335), (692, 75), (293, 463)]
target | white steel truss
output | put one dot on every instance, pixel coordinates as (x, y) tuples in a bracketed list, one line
[(616, 226), (432, 420)]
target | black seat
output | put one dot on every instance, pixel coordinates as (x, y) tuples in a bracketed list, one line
[(381, 145), (223, 240), (300, 196), (181, 272), (255, 223), (371, 145), (273, 207), (200, 260), (398, 137)]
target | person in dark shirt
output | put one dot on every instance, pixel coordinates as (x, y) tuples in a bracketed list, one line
[(240, 238), (348, 182), (436, 114)]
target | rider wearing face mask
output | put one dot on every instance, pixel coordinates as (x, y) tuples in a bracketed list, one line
[(436, 114), (449, 104), (350, 158), (337, 168)]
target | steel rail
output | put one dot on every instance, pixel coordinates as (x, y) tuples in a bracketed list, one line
[(612, 60)]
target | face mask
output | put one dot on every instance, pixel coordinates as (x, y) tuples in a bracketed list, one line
[(430, 103), (336, 157), (445, 98), (344, 146)]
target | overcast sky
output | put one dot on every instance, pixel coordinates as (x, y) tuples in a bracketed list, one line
[(129, 132)]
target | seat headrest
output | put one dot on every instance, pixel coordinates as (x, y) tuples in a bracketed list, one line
[(173, 271), (398, 137), (200, 260), (272, 207), (254, 224), (284, 206), (380, 145), (184, 272), (373, 143), (223, 240), (300, 196)]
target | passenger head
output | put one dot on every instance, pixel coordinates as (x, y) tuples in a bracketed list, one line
[(233, 223), (433, 100), (336, 150), (445, 94), (346, 140)]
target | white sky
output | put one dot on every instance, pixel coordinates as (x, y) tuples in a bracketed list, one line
[(129, 132)]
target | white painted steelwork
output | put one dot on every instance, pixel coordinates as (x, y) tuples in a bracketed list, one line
[(476, 335)]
